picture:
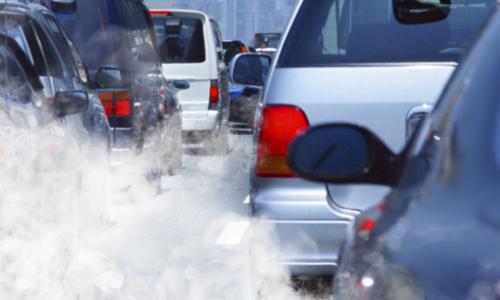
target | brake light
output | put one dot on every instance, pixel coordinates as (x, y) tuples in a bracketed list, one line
[(123, 108), (280, 125), (214, 95), (116, 104), (160, 12)]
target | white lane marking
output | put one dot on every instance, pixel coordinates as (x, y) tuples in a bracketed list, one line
[(116, 163), (247, 200), (232, 234)]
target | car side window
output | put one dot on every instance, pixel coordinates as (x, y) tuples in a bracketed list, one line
[(53, 64), (13, 83), (70, 55), (39, 60)]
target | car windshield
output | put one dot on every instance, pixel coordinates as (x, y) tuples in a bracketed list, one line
[(330, 32), (94, 28), (180, 40)]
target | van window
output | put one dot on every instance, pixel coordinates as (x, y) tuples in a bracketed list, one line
[(328, 32), (181, 39)]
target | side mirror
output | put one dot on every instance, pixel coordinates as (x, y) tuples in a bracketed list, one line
[(250, 69), (343, 153), (109, 77), (421, 11), (181, 84), (63, 6), (70, 102)]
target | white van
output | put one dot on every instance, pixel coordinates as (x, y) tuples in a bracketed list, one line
[(187, 43)]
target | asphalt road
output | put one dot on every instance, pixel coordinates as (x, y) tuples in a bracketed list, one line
[(186, 237)]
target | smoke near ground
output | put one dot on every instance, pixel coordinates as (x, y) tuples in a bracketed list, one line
[(74, 225)]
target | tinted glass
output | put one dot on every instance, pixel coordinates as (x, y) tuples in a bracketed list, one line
[(68, 51), (13, 83), (96, 29), (21, 30), (49, 52), (329, 32), (181, 41)]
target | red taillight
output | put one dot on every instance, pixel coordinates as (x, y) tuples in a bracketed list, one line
[(214, 93), (280, 125), (116, 104), (366, 226), (160, 12), (123, 108)]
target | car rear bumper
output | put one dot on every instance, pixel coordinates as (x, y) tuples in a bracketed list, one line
[(308, 229), (200, 121)]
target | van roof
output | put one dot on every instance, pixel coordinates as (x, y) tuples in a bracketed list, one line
[(181, 11)]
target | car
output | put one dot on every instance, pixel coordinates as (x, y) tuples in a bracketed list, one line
[(435, 235), (119, 50), (58, 64), (266, 41), (348, 61), (190, 48), (24, 106)]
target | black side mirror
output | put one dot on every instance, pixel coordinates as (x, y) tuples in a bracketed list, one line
[(109, 77), (343, 153), (181, 84), (63, 6), (70, 102), (250, 69), (421, 11)]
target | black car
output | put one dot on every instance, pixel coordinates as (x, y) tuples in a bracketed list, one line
[(58, 64), (437, 234), (116, 39)]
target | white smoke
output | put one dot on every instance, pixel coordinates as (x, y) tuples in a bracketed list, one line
[(74, 226)]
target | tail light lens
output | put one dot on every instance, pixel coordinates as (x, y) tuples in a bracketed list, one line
[(117, 104), (214, 94), (280, 125)]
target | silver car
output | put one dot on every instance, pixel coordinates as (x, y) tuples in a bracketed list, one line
[(343, 61)]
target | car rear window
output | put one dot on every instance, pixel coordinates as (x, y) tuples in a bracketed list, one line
[(328, 32), (181, 40), (97, 31)]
